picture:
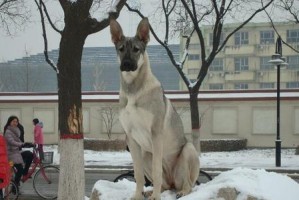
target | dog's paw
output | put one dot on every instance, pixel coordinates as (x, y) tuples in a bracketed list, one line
[(154, 197), (138, 197), (147, 194), (180, 194)]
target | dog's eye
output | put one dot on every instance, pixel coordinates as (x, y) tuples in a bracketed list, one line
[(121, 48), (135, 49)]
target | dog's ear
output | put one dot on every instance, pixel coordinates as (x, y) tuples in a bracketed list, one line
[(116, 31), (143, 30)]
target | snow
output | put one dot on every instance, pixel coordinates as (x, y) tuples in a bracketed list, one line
[(248, 182), (251, 158), (113, 5), (246, 172)]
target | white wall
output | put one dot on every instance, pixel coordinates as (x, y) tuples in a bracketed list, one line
[(250, 115)]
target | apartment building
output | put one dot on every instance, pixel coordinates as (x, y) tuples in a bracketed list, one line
[(243, 62)]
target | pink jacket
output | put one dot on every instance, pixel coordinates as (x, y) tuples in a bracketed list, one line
[(38, 134)]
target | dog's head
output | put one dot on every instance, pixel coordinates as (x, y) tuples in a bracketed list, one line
[(130, 50)]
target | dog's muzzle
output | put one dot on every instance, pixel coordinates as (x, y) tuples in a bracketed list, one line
[(127, 65)]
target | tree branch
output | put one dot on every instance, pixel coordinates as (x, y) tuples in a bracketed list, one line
[(274, 28), (49, 61), (96, 26), (49, 19)]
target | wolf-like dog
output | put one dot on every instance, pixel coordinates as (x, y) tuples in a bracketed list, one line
[(154, 130)]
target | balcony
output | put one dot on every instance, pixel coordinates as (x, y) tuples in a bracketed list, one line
[(240, 76), (239, 50)]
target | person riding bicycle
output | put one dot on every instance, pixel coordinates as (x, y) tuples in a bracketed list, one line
[(14, 143), (26, 155)]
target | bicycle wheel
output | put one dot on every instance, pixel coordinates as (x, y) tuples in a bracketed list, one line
[(129, 176), (11, 192), (45, 182), (203, 177)]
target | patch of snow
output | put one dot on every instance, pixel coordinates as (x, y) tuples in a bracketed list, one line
[(257, 183)]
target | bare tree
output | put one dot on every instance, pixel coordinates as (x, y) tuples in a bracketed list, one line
[(78, 25), (291, 10), (13, 15), (109, 118), (99, 84), (196, 13), (292, 7)]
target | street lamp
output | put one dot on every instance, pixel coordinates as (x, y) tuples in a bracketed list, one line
[(279, 61)]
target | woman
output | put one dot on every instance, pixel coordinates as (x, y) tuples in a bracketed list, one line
[(12, 137)]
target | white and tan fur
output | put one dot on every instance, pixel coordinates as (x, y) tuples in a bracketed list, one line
[(154, 130)]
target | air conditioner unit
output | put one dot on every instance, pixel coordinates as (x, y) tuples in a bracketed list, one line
[(261, 73), (261, 47), (210, 75)]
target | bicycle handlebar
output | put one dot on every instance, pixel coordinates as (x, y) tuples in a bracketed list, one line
[(28, 145)]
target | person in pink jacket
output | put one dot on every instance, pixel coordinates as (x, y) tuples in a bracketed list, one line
[(39, 137)]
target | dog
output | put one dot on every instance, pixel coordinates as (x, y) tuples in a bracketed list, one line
[(154, 130)]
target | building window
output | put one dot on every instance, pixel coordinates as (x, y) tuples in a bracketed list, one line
[(293, 62), (267, 37), (266, 85), (264, 63), (193, 71), (222, 37), (241, 64), (292, 84), (241, 86), (293, 36), (217, 65), (241, 38), (193, 56), (216, 86)]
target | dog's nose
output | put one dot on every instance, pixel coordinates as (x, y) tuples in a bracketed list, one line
[(127, 65)]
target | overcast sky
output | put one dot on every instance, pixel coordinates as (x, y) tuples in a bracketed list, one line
[(30, 40)]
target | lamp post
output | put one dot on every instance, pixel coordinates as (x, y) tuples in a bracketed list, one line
[(279, 61)]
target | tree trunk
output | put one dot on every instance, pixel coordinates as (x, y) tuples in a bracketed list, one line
[(70, 115), (195, 120)]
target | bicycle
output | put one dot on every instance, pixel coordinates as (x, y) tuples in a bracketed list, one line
[(130, 176), (45, 179), (10, 192)]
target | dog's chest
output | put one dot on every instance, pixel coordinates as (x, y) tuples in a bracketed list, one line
[(137, 121)]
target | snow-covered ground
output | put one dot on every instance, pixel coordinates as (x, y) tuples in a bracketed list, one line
[(248, 174), (253, 158), (248, 182)]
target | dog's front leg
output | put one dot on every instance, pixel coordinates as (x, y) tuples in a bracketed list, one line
[(138, 169), (157, 166)]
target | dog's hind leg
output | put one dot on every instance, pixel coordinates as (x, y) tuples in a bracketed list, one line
[(187, 170), (136, 154)]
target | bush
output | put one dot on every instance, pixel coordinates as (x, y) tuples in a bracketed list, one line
[(105, 145), (223, 145)]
